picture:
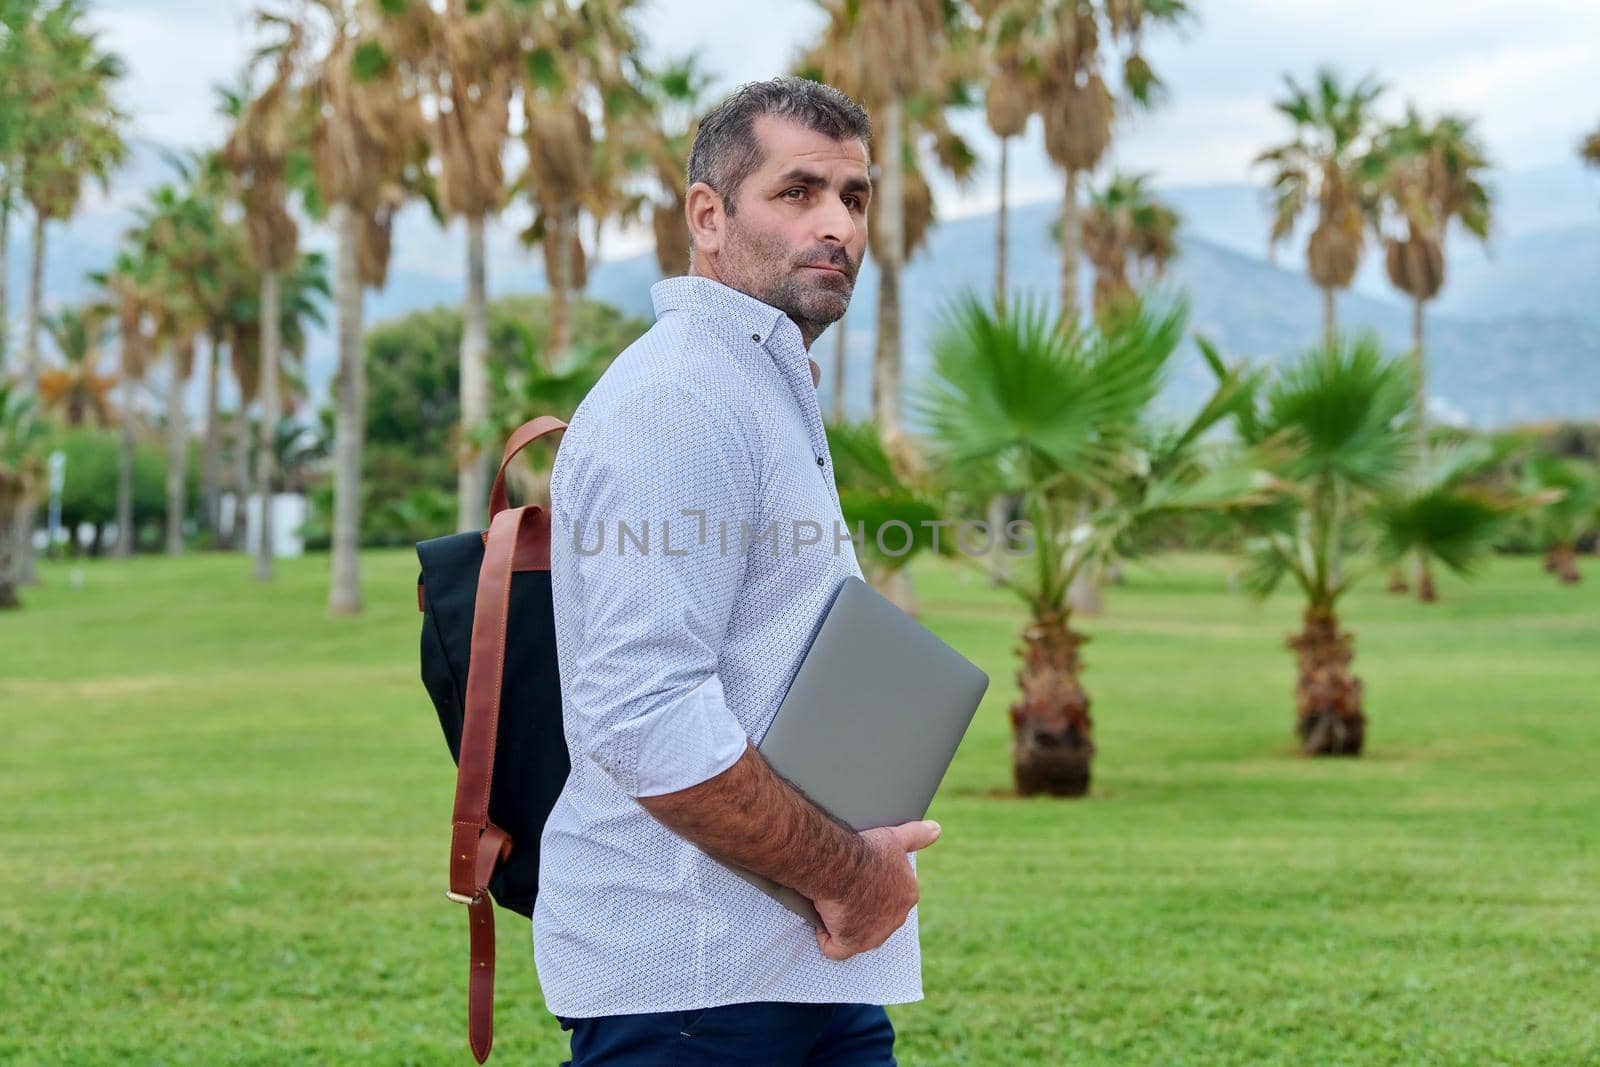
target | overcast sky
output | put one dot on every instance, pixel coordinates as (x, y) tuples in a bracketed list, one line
[(1529, 71)]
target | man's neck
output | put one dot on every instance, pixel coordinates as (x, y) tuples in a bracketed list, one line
[(808, 332)]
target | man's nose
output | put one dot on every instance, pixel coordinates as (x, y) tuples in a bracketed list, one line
[(836, 223)]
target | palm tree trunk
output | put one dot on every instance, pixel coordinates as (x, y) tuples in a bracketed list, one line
[(1329, 720), (472, 482), (23, 568), (996, 519), (1000, 231), (125, 531), (344, 593), (10, 531), (1071, 248), (1562, 561), (886, 357), (211, 459), (241, 475), (840, 345), (560, 285), (5, 271), (177, 446), (266, 452), (1051, 742), (30, 325), (1329, 321)]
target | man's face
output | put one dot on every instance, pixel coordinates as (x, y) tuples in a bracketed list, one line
[(799, 229)]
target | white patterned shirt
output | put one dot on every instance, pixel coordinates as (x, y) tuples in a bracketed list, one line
[(703, 438)]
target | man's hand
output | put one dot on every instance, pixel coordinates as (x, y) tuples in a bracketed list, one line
[(877, 905)]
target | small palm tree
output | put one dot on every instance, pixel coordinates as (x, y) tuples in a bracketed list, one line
[(1333, 429), (1589, 150), (1571, 509), (1126, 226), (76, 388), (1059, 413), (1325, 166)]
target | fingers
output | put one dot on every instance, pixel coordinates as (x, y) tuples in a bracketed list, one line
[(913, 836), (831, 947)]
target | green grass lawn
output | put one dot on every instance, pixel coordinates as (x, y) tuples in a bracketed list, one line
[(224, 819)]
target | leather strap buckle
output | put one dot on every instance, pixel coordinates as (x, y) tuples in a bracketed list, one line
[(461, 898)]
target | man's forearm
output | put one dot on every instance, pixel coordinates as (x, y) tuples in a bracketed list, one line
[(751, 816)]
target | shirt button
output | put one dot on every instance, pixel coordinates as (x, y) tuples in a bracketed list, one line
[(756, 337), (819, 461)]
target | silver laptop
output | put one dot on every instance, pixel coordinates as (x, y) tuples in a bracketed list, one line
[(871, 720)]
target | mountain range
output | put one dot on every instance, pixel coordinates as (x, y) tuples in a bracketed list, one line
[(1514, 336)]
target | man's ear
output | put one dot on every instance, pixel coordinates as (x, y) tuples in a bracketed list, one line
[(707, 220)]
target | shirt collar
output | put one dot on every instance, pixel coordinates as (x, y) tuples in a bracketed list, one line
[(731, 309)]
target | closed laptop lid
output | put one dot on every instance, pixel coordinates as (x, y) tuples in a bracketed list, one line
[(874, 713)]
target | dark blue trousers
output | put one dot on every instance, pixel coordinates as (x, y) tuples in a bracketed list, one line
[(764, 1034)]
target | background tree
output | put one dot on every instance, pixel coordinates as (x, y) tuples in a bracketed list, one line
[(1589, 150), (70, 130), (1069, 45), (75, 388), (883, 54), (1127, 225), (1325, 165), (1570, 508), (1333, 429), (128, 298), (1057, 412), (255, 154), (366, 132), (463, 57), (22, 443)]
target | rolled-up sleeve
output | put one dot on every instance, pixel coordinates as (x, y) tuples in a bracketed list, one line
[(651, 487)]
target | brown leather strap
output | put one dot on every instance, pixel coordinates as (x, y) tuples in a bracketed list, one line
[(521, 438), (476, 844)]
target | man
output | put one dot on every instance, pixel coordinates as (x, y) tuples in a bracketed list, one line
[(683, 607)]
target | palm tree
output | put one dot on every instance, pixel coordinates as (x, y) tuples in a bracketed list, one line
[(677, 94), (1432, 175), (22, 437), (366, 132), (76, 389), (1058, 412), (1008, 101), (1589, 150), (256, 153), (130, 297), (14, 62), (885, 55), (1333, 429), (464, 57), (1325, 163), (1570, 509), (1066, 48), (70, 130), (1126, 222)]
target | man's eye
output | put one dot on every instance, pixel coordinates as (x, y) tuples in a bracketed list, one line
[(854, 202), (796, 189)]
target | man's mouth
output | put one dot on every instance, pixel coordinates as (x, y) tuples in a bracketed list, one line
[(824, 266)]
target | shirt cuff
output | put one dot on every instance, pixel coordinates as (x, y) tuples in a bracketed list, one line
[(682, 744)]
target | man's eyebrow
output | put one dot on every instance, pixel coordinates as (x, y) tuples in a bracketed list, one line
[(813, 180)]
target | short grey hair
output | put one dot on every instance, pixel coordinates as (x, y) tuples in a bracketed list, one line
[(726, 150)]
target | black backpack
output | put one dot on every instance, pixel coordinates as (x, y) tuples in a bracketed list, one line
[(489, 664)]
